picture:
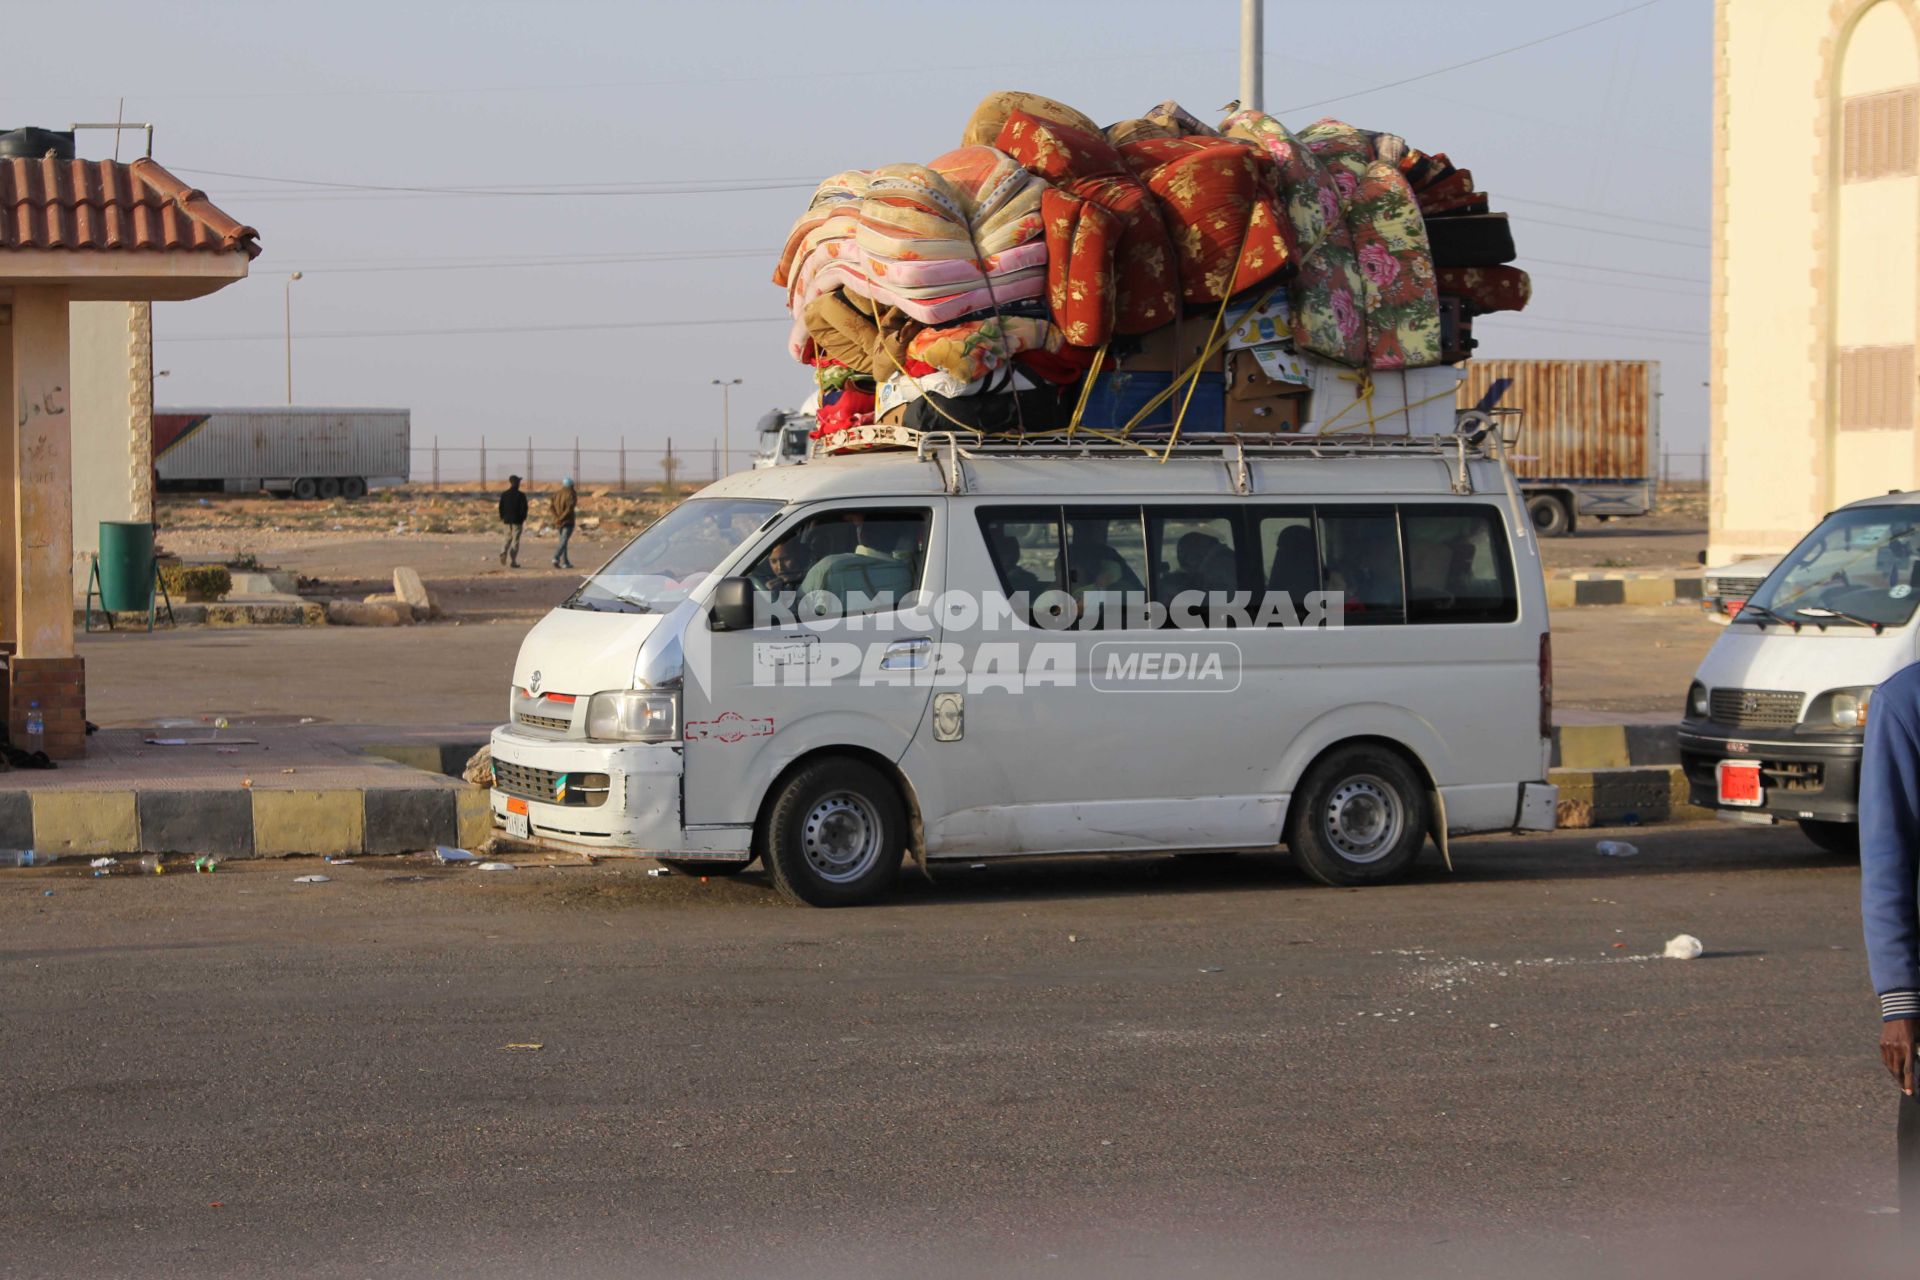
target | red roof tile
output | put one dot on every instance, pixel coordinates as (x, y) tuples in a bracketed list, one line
[(99, 204)]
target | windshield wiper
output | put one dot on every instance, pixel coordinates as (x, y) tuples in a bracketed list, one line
[(639, 605), (1823, 611), (1762, 609)]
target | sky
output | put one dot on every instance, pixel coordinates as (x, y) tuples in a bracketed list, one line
[(632, 169)]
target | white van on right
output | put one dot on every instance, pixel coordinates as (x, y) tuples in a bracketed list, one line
[(1777, 712)]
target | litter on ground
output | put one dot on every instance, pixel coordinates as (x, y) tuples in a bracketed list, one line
[(1683, 947), (1615, 849), (313, 879), (495, 866)]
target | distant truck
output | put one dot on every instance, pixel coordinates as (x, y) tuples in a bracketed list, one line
[(1589, 434), (783, 438), (308, 453)]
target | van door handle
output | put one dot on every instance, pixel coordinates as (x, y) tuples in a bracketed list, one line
[(906, 655)]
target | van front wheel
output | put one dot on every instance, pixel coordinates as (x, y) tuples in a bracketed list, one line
[(1359, 817), (835, 835)]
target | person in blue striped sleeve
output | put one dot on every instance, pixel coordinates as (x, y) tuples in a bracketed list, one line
[(1890, 901)]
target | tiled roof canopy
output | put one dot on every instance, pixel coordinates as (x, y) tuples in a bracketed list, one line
[(102, 205)]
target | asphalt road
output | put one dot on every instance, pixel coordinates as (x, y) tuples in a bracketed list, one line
[(1086, 1068)]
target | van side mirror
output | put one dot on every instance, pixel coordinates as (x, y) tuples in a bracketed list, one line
[(1701, 558), (732, 605)]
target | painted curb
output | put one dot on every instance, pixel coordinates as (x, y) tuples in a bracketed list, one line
[(1615, 746), (1583, 590), (1629, 797)]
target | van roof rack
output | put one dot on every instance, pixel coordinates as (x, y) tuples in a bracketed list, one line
[(950, 448)]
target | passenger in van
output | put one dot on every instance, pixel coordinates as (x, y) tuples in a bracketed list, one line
[(1099, 580), (1296, 569), (871, 569), (1366, 569), (1006, 550), (1205, 564)]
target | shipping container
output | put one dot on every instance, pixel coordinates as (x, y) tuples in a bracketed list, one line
[(307, 452), (1589, 434)]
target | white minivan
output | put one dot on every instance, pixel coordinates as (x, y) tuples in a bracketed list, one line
[(1777, 713), (1000, 650)]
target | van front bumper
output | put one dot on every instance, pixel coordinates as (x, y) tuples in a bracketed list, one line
[(640, 812), (1801, 775)]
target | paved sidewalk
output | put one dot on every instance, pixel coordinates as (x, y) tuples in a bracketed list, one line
[(250, 791)]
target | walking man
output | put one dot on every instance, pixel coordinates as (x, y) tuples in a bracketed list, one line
[(513, 514), (561, 507), (1889, 905)]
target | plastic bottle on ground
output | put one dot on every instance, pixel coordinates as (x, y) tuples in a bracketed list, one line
[(36, 727), (25, 858), (1615, 849)]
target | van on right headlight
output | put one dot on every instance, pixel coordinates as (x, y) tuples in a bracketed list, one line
[(1840, 708), (634, 715)]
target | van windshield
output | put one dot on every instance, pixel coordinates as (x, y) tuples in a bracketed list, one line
[(1858, 568), (672, 556)]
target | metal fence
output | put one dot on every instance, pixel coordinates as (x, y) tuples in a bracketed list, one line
[(626, 469)]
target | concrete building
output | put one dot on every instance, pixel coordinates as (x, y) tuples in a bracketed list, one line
[(1816, 263), (73, 232)]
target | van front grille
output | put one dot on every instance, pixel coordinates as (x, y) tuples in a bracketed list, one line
[(588, 790), (1745, 708), (558, 723)]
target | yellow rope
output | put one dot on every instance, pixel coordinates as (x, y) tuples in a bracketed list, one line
[(1086, 387)]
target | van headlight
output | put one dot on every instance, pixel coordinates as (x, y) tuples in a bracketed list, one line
[(634, 715), (1697, 705), (1840, 708)]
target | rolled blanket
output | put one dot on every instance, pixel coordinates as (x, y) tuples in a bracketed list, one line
[(1086, 165), (1082, 239), (974, 349), (854, 332), (1390, 240), (1324, 296), (984, 125), (1487, 288), (1222, 204)]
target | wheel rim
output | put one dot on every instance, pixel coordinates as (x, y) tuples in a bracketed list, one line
[(1545, 517), (1363, 819), (841, 837)]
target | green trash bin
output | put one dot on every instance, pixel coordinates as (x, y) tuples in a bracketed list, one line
[(126, 566)]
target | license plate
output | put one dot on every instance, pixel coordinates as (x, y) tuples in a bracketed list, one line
[(1739, 783), (518, 826)]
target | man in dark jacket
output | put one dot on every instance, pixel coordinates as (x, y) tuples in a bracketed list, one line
[(513, 514)]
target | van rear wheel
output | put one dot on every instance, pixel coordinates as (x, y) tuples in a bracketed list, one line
[(1359, 817), (835, 835)]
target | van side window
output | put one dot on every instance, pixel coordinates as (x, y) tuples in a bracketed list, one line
[(1360, 559), (1024, 545), (867, 559), (1195, 556), (1106, 564), (1289, 559), (1459, 567)]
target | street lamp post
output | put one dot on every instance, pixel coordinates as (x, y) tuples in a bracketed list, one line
[(726, 385), (289, 310)]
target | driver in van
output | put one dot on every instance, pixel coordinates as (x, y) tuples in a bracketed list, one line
[(784, 569)]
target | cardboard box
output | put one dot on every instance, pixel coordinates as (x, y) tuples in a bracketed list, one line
[(1406, 402), (1172, 347), (1248, 380), (1277, 414)]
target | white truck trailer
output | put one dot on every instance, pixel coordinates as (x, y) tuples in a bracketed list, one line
[(306, 452)]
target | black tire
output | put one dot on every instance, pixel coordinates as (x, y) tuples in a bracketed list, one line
[(1551, 516), (834, 835), (702, 867), (1841, 839), (330, 488), (306, 488), (353, 487), (1359, 817)]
